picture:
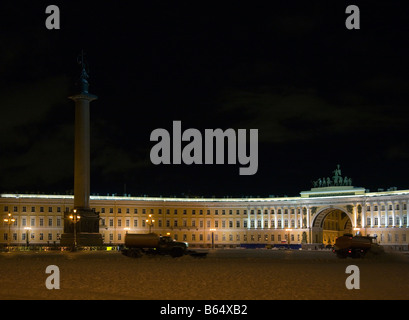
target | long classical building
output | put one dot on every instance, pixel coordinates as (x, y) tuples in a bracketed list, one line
[(315, 218)]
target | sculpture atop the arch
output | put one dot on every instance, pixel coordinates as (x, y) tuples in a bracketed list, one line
[(337, 180)]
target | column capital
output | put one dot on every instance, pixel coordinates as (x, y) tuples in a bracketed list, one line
[(83, 96)]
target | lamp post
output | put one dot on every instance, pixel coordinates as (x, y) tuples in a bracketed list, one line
[(9, 220), (212, 230), (75, 218), (288, 237), (357, 231), (150, 222), (27, 235)]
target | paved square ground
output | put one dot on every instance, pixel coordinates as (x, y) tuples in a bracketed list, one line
[(249, 274)]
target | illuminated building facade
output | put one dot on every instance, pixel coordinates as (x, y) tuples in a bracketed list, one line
[(315, 218)]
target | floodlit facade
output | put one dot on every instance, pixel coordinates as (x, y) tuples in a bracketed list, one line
[(314, 219)]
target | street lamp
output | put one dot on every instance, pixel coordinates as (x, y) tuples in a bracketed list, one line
[(27, 235), (150, 222), (75, 218), (212, 230), (357, 231), (288, 237), (9, 220)]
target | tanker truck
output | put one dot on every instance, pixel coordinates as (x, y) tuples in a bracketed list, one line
[(138, 244), (356, 246)]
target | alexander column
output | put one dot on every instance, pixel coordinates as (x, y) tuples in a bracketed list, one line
[(81, 224)]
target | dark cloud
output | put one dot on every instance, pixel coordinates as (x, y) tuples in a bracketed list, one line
[(302, 116), (35, 135)]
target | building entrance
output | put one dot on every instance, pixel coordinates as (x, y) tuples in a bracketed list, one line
[(329, 224)]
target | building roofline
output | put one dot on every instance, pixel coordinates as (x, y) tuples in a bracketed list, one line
[(313, 195)]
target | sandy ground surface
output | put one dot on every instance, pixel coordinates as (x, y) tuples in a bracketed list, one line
[(224, 274)]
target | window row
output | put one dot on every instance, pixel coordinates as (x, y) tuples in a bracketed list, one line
[(376, 221), (389, 238), (36, 222), (32, 209), (200, 211), (200, 224), (159, 211), (25, 236), (223, 237), (390, 207)]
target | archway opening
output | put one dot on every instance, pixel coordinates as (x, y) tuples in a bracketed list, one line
[(335, 224), (329, 225)]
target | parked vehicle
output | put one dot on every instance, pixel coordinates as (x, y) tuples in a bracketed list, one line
[(137, 245), (355, 246)]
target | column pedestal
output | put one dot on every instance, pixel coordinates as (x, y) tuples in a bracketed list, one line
[(87, 229)]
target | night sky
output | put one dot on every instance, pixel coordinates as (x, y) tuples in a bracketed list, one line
[(319, 94)]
